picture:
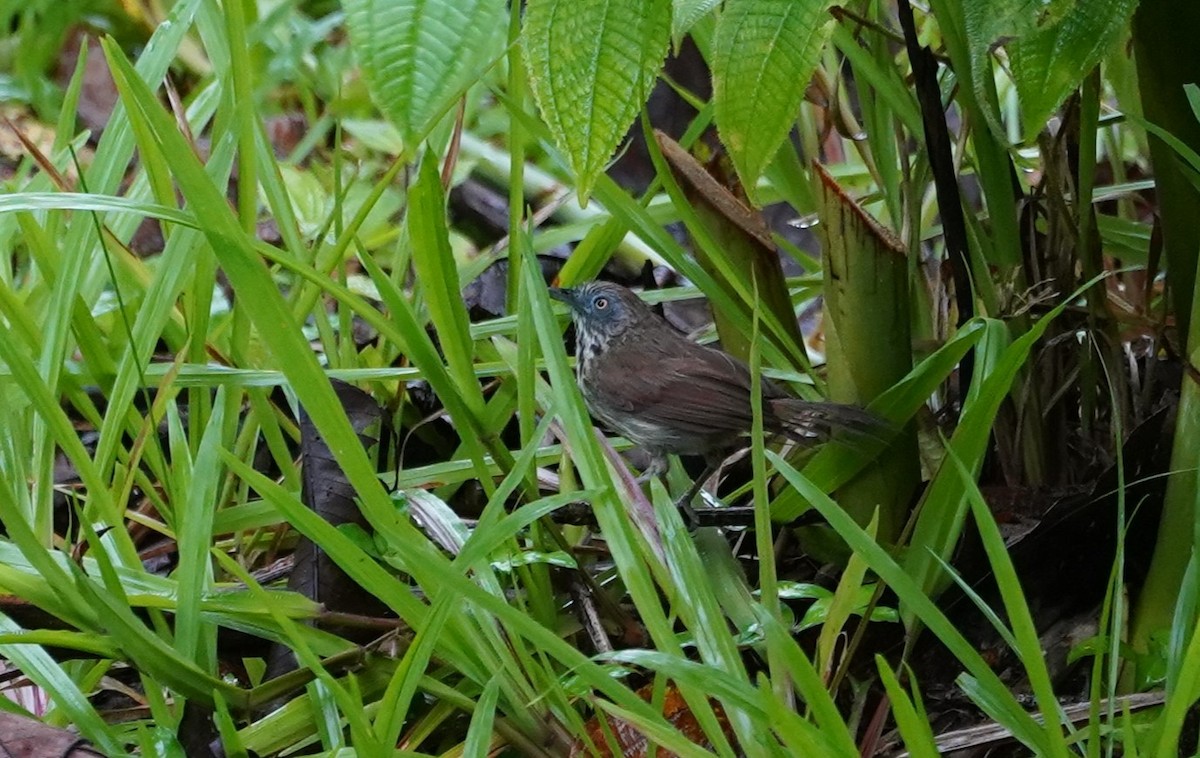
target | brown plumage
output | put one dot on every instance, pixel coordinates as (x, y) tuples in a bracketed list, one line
[(644, 379)]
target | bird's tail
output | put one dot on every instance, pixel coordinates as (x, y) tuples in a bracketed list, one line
[(808, 422)]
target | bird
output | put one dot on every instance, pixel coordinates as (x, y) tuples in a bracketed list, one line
[(644, 379)]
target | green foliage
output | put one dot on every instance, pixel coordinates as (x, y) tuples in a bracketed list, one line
[(763, 56), (1047, 62), (592, 64), (420, 56), (685, 14), (434, 263), (987, 23)]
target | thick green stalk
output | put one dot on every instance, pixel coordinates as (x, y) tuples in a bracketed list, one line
[(1161, 30), (868, 343), (1160, 26), (1177, 532)]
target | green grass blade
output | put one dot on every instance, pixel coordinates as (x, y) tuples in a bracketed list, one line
[(437, 274), (35, 663), (479, 734), (997, 700), (917, 734)]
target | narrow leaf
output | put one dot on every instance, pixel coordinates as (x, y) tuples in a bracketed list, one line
[(41, 668), (438, 274), (479, 734), (918, 737)]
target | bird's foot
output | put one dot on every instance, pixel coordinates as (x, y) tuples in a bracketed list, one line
[(734, 516), (720, 516)]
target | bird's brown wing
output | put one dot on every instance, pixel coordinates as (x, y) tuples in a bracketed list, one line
[(695, 390)]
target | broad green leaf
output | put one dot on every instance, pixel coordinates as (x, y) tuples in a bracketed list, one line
[(763, 56), (418, 56), (989, 21), (685, 15), (308, 201), (592, 64), (986, 23), (1047, 64)]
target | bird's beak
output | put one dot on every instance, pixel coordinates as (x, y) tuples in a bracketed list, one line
[(564, 295)]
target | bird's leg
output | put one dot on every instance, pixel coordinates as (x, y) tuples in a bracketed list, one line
[(690, 516), (657, 468), (659, 464)]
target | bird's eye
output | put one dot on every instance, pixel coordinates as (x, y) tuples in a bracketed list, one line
[(600, 303)]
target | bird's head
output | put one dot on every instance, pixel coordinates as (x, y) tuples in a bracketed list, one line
[(601, 311), (602, 306)]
